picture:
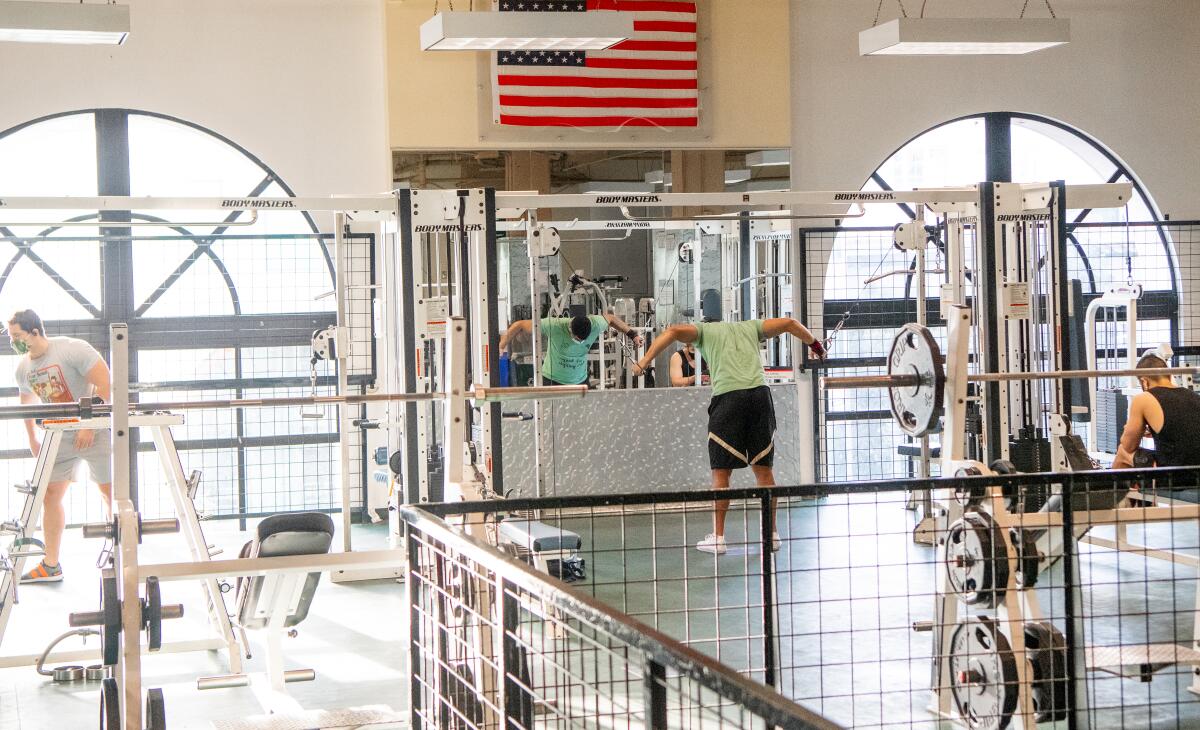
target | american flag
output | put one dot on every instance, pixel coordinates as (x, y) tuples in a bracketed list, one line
[(646, 81)]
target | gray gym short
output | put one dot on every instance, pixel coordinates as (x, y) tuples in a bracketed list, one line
[(98, 459)]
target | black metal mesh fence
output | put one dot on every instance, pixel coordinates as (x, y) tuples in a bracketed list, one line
[(494, 644), (1001, 620)]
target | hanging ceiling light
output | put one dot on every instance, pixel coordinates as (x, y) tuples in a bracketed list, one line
[(24, 21), (963, 36), (541, 31), (768, 158)]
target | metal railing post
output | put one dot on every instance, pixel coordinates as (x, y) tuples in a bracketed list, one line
[(1077, 717), (415, 661), (655, 683), (518, 709), (767, 522)]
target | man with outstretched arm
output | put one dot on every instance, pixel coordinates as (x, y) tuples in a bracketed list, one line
[(741, 415), (568, 340)]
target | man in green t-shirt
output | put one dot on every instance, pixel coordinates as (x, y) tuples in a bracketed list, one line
[(568, 340), (741, 416)]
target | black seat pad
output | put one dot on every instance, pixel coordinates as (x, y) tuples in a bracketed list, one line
[(299, 533)]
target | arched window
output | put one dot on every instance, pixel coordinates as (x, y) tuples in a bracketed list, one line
[(219, 305), (1108, 247)]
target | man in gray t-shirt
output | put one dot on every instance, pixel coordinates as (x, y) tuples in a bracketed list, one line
[(61, 370)]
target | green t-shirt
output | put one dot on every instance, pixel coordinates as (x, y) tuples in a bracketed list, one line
[(732, 353), (566, 359)]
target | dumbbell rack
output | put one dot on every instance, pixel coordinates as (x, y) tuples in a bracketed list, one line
[(182, 490)]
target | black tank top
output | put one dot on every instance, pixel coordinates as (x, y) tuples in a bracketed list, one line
[(1178, 443), (689, 368)]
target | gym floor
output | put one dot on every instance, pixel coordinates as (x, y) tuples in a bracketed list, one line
[(352, 638)]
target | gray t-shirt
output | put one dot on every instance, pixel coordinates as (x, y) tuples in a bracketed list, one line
[(60, 375)]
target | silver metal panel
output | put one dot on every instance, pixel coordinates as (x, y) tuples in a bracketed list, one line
[(632, 441)]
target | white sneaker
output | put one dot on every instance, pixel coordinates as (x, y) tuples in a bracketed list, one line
[(776, 543), (712, 544)]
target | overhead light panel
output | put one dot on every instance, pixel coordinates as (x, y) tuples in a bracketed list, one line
[(963, 36), (733, 177), (768, 158), (513, 31), (658, 177), (22, 21)]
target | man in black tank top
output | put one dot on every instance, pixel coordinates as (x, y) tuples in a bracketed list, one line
[(1170, 413), (683, 367)]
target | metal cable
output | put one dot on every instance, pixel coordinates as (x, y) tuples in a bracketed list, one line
[(1049, 7)]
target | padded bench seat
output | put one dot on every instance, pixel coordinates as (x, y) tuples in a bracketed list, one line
[(301, 533)]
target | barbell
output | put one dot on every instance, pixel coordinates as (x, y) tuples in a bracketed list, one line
[(916, 378), (88, 408)]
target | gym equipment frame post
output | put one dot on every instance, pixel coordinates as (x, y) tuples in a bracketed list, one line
[(341, 277), (126, 538), (485, 270), (409, 354), (987, 293), (543, 466)]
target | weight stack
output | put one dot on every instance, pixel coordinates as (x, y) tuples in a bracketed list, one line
[(1030, 455), (1112, 409)]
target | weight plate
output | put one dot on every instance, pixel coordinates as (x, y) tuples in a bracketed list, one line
[(1028, 557), (110, 606), (983, 674), (1046, 651), (917, 408), (969, 495), (976, 560), (110, 707), (152, 614), (156, 710)]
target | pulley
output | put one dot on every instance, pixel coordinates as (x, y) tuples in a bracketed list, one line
[(983, 674), (976, 560)]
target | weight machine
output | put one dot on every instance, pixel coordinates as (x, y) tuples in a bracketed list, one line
[(1015, 667)]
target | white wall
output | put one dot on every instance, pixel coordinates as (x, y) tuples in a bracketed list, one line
[(298, 83), (1130, 78)]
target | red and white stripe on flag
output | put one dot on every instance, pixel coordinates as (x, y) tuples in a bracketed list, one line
[(649, 80)]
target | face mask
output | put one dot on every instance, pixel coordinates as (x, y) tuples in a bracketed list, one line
[(20, 347)]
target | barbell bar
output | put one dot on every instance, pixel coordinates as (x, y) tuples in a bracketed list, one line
[(87, 408), (916, 378), (902, 380)]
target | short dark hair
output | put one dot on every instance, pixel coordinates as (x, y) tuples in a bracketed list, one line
[(1150, 360), (29, 321), (581, 327)]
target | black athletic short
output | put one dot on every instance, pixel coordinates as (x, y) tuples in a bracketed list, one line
[(741, 429), (548, 381)]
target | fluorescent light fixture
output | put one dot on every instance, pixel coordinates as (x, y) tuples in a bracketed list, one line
[(549, 31), (767, 158), (733, 177), (963, 36), (658, 177), (22, 21)]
